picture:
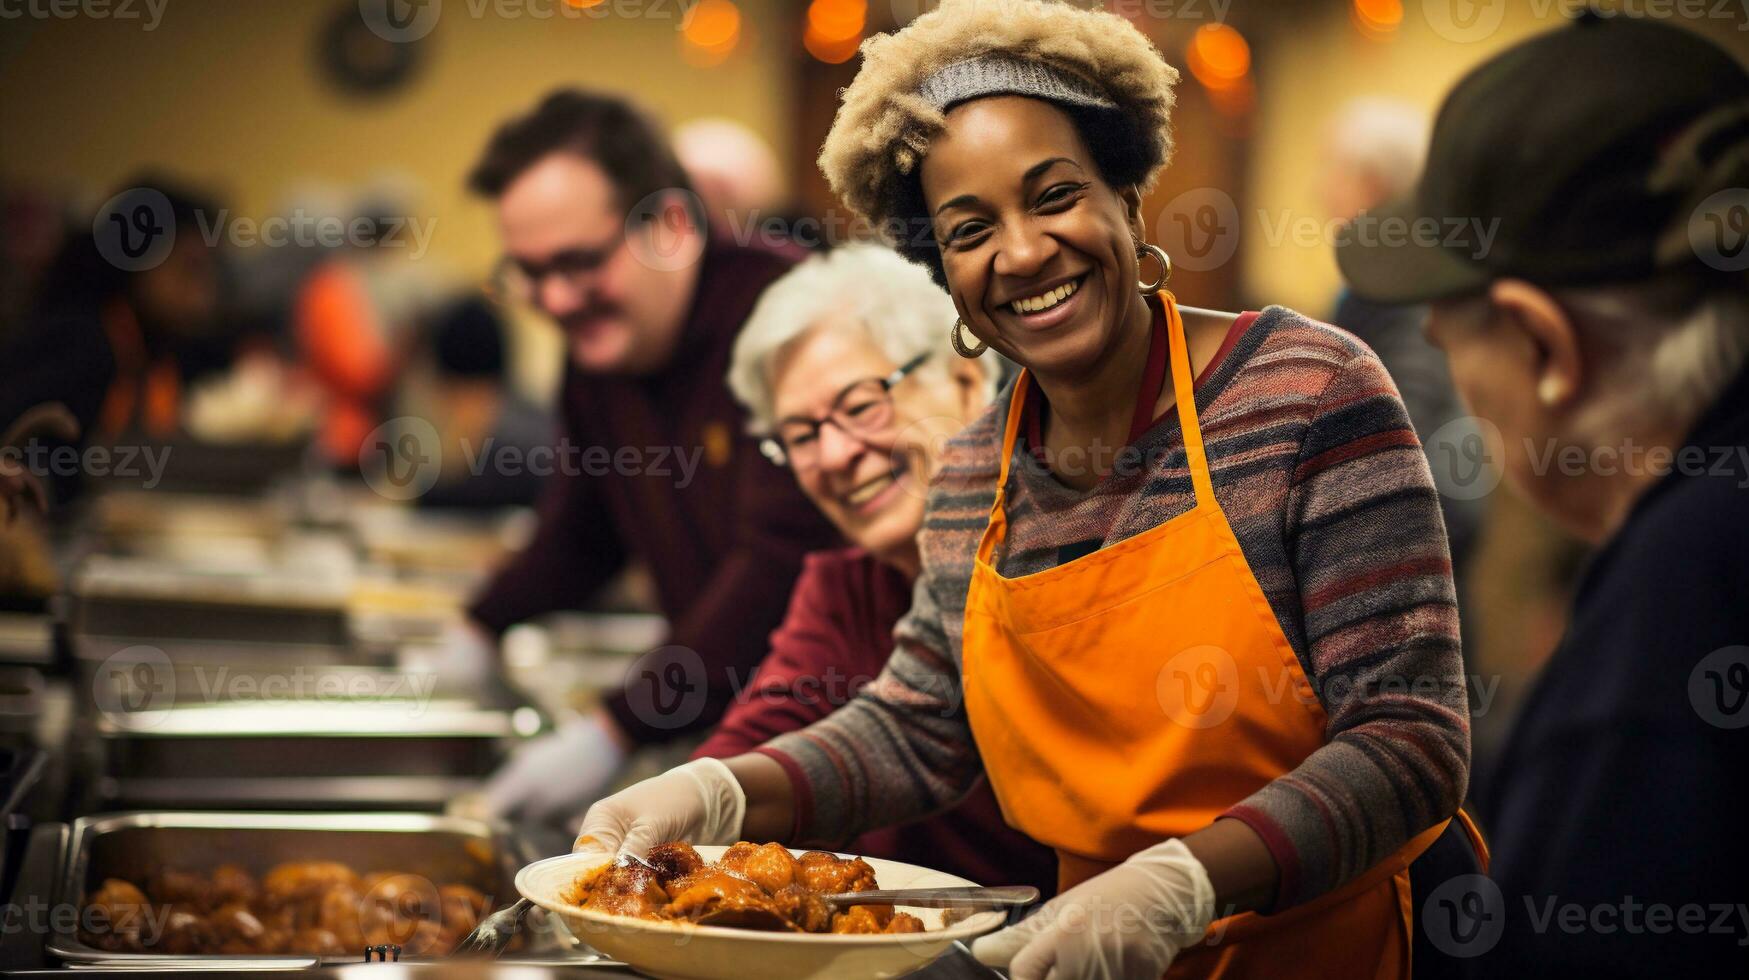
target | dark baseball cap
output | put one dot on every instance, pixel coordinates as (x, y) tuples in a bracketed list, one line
[(1575, 157)]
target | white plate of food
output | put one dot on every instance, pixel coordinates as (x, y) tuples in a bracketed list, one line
[(646, 917)]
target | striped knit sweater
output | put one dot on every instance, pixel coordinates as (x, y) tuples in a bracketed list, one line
[(1317, 468)]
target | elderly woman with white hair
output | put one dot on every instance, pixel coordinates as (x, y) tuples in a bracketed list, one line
[(845, 371)]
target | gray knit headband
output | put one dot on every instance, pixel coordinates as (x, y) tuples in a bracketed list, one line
[(1002, 74)]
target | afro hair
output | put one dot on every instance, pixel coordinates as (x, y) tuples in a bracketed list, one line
[(884, 125)]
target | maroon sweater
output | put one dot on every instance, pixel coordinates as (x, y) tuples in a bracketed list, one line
[(660, 468), (835, 639)]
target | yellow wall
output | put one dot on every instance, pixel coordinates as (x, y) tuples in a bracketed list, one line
[(227, 92), (1313, 61)]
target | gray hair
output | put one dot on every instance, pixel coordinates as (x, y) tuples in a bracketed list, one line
[(904, 312), (1669, 348)]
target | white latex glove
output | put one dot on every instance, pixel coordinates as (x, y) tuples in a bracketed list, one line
[(554, 776), (464, 657), (700, 803), (1130, 922)]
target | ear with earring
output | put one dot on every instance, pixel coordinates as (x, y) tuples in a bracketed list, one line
[(959, 342), (1144, 250), (1551, 390)]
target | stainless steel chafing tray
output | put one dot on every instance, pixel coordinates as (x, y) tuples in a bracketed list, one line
[(26, 638), (133, 846), (146, 523), (335, 737), (126, 597)]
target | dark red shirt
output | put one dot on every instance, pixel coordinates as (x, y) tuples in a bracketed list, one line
[(834, 640), (660, 468)]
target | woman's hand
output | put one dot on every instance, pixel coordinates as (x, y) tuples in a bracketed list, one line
[(1130, 922), (700, 803)]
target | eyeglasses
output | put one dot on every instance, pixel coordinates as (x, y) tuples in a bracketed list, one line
[(516, 281), (863, 409)]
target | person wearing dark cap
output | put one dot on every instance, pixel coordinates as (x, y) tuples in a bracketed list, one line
[(604, 238), (478, 411), (1603, 332)]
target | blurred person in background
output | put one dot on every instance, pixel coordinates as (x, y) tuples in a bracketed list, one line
[(600, 235), (1605, 334), (119, 347), (1373, 154), (843, 365), (478, 412), (356, 318), (732, 170)]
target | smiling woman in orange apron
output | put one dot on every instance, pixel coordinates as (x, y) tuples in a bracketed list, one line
[(1186, 599)]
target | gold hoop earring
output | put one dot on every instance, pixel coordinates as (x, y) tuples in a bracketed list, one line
[(1143, 251), (959, 342)]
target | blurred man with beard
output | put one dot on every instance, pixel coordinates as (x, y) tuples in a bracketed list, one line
[(604, 236)]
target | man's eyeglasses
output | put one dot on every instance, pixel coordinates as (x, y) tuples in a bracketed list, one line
[(863, 409), (515, 281)]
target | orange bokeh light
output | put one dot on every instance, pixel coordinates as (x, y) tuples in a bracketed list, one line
[(713, 23), (711, 33), (1218, 56), (1377, 19), (830, 51), (584, 4), (836, 21)]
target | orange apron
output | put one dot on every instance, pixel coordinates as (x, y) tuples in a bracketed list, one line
[(153, 389), (1134, 694)]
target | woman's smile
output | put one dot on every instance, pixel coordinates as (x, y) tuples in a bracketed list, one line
[(871, 495), (1040, 309)]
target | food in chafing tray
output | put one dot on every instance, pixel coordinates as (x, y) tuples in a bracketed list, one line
[(309, 908), (746, 887)]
